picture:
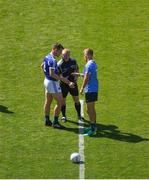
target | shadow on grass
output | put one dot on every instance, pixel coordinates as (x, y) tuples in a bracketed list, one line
[(112, 132), (75, 130), (80, 162), (108, 131), (4, 109)]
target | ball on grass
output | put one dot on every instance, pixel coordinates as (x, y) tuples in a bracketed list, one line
[(75, 157)]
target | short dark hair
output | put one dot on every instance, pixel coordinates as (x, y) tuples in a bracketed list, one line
[(57, 46)]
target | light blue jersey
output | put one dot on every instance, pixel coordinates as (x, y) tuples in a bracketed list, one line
[(50, 62), (91, 68)]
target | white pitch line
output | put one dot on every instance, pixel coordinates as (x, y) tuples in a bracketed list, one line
[(81, 144)]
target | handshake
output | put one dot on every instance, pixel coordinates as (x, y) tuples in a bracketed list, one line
[(76, 74), (71, 84)]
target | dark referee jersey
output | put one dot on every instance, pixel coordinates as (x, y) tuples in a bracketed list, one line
[(67, 67)]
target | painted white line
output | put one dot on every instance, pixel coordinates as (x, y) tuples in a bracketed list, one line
[(81, 144), (82, 107)]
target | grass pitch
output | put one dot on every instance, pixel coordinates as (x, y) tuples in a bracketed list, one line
[(118, 32)]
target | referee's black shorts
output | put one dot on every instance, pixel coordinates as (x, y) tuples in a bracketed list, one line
[(66, 89), (91, 97)]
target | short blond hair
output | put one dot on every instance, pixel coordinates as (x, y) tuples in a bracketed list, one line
[(88, 52), (65, 50)]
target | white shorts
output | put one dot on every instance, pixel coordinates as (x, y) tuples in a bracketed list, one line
[(52, 86)]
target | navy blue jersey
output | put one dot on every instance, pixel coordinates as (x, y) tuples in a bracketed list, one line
[(49, 62), (67, 67)]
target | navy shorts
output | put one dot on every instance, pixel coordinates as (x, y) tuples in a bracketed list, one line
[(66, 89), (91, 97)]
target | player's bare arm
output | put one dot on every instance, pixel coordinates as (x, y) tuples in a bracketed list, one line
[(85, 81), (42, 65), (77, 74)]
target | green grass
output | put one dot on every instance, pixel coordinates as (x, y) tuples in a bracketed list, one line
[(118, 32)]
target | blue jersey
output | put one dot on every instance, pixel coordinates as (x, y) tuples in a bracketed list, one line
[(49, 62), (91, 69)]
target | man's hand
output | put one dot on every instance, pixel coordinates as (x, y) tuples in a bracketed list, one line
[(42, 66), (77, 74), (71, 85)]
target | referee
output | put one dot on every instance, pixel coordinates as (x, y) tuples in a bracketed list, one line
[(67, 66)]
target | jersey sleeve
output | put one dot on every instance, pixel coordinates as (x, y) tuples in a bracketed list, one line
[(51, 64), (88, 69)]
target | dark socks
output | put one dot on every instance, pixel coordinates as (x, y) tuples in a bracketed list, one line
[(47, 121), (93, 126), (78, 108), (47, 118), (63, 109), (55, 120)]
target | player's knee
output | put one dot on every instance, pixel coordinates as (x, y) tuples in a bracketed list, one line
[(63, 104), (47, 103), (59, 103), (77, 102)]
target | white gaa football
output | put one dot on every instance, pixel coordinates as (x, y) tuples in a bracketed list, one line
[(75, 157)]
